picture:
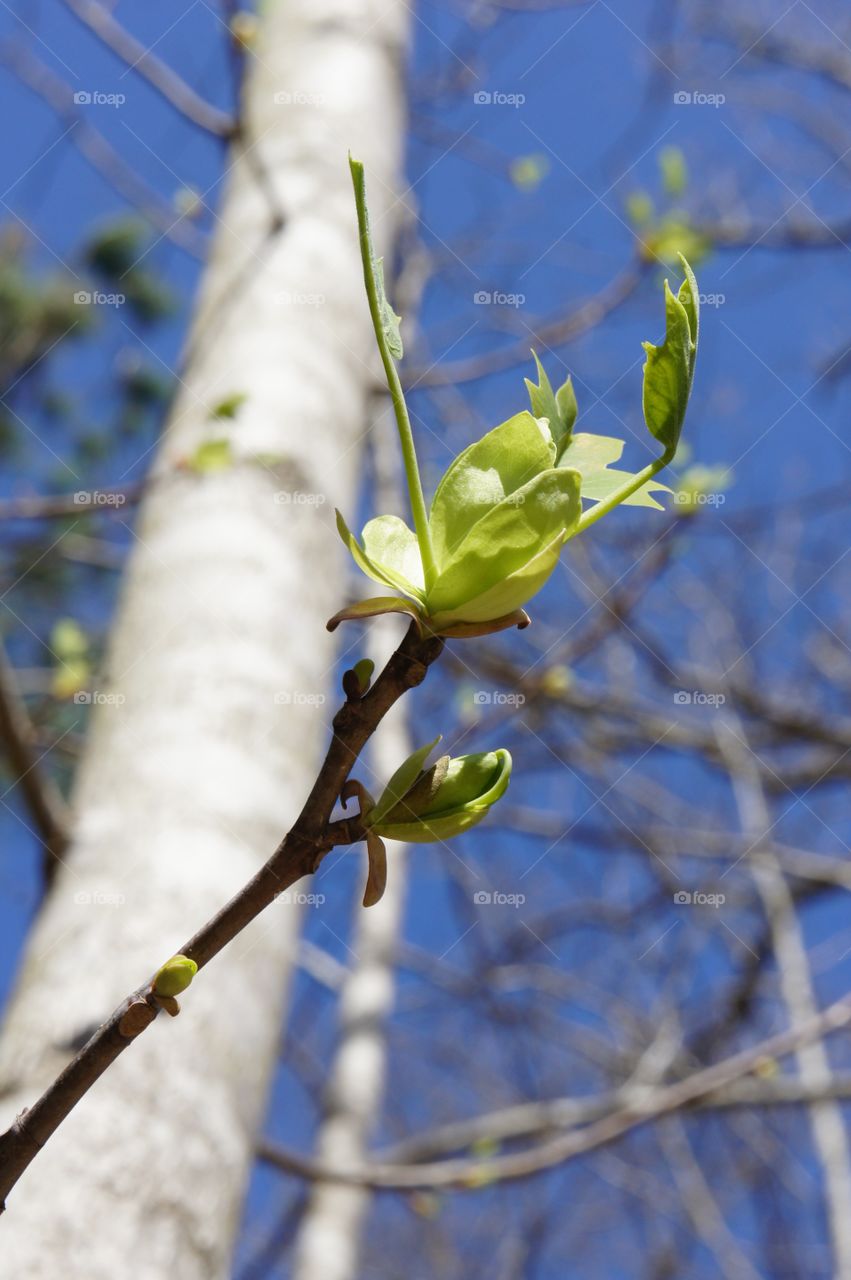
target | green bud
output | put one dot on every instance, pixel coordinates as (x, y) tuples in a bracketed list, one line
[(450, 797), (175, 976)]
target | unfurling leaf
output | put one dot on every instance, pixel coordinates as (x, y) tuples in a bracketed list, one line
[(507, 504), (389, 320), (559, 407), (402, 781), (450, 797), (669, 369)]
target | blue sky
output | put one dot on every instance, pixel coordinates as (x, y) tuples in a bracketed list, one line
[(590, 93)]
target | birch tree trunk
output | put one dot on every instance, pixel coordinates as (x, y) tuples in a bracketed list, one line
[(218, 661)]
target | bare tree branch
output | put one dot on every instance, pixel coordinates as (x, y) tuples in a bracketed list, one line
[(158, 74)]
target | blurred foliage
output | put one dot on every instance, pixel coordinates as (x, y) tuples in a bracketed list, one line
[(667, 229)]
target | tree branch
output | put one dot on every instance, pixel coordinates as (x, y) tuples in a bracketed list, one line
[(158, 74), (99, 153), (43, 797), (707, 1087), (298, 854)]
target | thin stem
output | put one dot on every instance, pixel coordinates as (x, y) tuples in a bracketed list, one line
[(374, 292), (626, 490)]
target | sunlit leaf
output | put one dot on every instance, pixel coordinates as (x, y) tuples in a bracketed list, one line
[(592, 455), (384, 574), (669, 367), (483, 475)]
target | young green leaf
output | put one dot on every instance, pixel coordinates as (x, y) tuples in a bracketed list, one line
[(388, 541), (506, 539), (379, 572), (389, 320), (591, 455), (459, 795), (401, 782), (483, 475), (559, 407), (501, 602), (669, 368)]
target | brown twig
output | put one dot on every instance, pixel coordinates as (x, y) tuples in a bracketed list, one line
[(298, 854), (43, 798)]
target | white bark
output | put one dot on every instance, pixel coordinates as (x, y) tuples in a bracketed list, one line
[(187, 785), (796, 988)]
